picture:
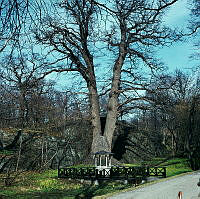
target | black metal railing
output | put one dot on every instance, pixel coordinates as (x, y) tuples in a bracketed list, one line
[(156, 171), (77, 173), (117, 172)]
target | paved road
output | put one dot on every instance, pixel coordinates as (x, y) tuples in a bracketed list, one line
[(167, 189)]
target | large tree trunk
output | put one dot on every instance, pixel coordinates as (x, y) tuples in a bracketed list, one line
[(99, 143), (112, 112), (189, 135), (103, 140)]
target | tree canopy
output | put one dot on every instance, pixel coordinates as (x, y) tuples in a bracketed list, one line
[(80, 34)]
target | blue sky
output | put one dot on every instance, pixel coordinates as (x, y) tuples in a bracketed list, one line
[(177, 55)]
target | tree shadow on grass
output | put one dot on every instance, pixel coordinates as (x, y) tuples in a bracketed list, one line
[(90, 191), (41, 195), (86, 192)]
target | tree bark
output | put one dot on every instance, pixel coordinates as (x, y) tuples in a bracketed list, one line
[(112, 111), (95, 118)]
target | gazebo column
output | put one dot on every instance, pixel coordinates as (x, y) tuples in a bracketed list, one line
[(110, 161), (100, 160), (106, 160)]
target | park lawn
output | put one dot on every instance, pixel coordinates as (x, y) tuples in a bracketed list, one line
[(47, 185), (176, 166)]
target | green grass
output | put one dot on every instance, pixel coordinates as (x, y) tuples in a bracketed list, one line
[(47, 185), (154, 161), (176, 166), (81, 165)]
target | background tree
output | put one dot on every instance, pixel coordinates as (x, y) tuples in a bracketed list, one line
[(172, 114), (194, 25), (12, 20)]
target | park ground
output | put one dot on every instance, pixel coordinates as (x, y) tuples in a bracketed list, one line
[(46, 184)]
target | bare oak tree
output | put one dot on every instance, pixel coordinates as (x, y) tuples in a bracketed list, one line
[(77, 32)]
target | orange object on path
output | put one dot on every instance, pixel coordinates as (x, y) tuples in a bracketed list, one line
[(180, 195)]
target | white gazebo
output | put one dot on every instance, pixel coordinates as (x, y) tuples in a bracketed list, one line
[(102, 160)]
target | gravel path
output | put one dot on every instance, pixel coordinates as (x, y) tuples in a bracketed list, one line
[(167, 189)]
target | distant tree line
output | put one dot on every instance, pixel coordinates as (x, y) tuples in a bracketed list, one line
[(57, 130)]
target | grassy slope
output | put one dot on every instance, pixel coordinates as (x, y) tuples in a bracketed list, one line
[(174, 166), (47, 185)]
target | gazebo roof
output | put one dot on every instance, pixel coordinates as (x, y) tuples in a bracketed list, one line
[(103, 153)]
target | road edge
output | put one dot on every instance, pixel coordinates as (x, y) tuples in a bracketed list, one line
[(142, 185)]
